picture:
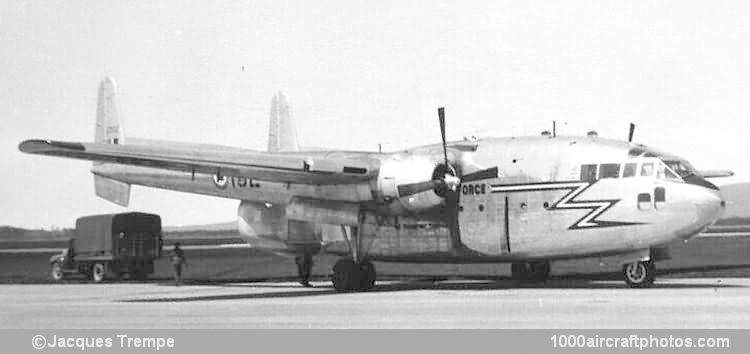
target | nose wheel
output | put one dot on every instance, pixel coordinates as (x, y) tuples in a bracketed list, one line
[(348, 275), (639, 274)]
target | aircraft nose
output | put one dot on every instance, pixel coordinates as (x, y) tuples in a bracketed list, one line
[(709, 206)]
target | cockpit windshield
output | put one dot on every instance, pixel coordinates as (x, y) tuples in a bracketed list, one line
[(682, 168)]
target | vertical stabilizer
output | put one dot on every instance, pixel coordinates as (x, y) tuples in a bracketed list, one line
[(109, 131), (282, 133), (108, 127)]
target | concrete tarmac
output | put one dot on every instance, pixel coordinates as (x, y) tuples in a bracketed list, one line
[(671, 303)]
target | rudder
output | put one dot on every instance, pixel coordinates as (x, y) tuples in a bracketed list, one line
[(108, 126), (282, 133), (109, 131)]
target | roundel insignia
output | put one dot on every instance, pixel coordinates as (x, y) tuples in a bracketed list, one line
[(221, 181)]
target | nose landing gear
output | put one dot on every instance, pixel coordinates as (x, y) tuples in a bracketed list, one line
[(639, 274)]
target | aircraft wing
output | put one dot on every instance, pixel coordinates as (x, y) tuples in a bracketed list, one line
[(289, 168)]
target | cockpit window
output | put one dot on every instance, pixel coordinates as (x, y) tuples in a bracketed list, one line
[(647, 169), (682, 168), (609, 170), (629, 170), (665, 172), (588, 173)]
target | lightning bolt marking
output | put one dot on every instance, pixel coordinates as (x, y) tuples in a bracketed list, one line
[(595, 207)]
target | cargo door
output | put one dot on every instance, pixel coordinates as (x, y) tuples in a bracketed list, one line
[(483, 219)]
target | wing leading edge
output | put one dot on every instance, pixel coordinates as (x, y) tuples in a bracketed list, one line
[(287, 168)]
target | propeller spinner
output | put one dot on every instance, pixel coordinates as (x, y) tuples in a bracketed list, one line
[(447, 179)]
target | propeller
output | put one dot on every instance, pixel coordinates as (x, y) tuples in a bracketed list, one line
[(447, 179), (445, 182), (630, 134)]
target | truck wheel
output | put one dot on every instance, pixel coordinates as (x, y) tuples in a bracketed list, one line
[(57, 272), (97, 273)]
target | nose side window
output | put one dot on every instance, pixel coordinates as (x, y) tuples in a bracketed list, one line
[(660, 197), (644, 201)]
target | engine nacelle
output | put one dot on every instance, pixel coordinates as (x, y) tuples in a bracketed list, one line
[(262, 225), (268, 226), (401, 170)]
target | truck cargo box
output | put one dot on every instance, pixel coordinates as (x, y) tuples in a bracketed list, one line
[(118, 235)]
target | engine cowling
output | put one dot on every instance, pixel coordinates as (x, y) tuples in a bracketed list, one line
[(262, 226), (402, 170), (268, 226)]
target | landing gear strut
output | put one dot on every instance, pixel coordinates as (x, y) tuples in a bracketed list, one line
[(530, 272), (349, 275), (355, 273), (639, 274)]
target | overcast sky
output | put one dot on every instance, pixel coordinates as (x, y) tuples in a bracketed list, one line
[(359, 73)]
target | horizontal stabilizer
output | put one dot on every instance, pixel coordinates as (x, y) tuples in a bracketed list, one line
[(115, 191)]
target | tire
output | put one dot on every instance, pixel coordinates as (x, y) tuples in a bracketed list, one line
[(539, 271), (519, 272), (57, 271), (98, 272), (639, 274), (367, 278), (343, 275)]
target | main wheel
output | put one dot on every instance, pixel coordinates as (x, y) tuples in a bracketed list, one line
[(98, 272), (57, 271), (519, 272), (539, 271), (348, 275), (639, 274), (345, 275), (367, 280)]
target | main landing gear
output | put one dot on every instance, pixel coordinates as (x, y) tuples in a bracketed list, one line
[(530, 272), (639, 274), (355, 273), (348, 275)]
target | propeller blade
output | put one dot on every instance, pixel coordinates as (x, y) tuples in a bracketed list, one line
[(480, 175), (441, 117), (630, 134), (419, 187)]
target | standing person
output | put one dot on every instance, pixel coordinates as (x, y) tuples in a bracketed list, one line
[(178, 259), (304, 268)]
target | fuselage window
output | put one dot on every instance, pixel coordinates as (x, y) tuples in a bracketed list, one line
[(588, 173), (660, 194), (629, 170), (609, 170), (647, 169)]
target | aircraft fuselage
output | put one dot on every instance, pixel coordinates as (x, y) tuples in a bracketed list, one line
[(553, 198)]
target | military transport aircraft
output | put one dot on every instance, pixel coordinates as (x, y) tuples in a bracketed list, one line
[(520, 200)]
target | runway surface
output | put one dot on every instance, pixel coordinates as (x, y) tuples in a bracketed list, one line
[(672, 303)]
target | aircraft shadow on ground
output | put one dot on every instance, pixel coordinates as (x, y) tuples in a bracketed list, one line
[(394, 283)]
